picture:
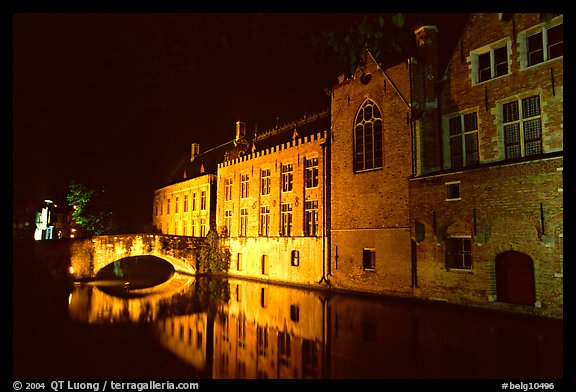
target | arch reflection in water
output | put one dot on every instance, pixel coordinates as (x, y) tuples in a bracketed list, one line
[(244, 329)]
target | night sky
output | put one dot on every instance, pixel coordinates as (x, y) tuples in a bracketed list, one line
[(115, 100)]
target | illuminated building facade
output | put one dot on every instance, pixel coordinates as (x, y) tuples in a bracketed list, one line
[(186, 205), (270, 203)]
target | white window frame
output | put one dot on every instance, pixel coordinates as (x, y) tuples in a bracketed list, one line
[(474, 57), (541, 28)]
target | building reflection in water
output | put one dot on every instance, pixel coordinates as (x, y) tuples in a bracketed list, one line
[(245, 329)]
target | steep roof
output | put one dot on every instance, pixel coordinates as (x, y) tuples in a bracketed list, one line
[(302, 127)]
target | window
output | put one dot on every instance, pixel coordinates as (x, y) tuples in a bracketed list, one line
[(265, 181), (243, 222), (368, 137), (287, 177), (311, 218), (239, 262), (458, 253), (492, 63), (185, 203), (369, 259), (203, 200), (453, 190), (264, 264), (244, 185), (168, 207), (464, 140), (265, 221), (176, 205), (202, 227), (228, 189), (194, 201), (193, 227), (228, 221), (184, 228), (311, 172), (286, 219), (522, 127), (546, 44), (295, 258)]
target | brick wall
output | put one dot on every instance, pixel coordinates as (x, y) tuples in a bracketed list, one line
[(370, 209)]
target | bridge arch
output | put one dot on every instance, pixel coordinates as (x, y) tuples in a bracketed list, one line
[(91, 255)]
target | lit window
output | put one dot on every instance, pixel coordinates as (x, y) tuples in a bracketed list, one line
[(244, 185), (286, 177), (311, 172), (227, 222), (368, 137), (459, 253), (202, 227), (286, 219), (228, 189), (243, 222), (522, 127), (186, 203), (311, 218), (203, 200), (265, 181), (176, 205), (264, 221), (464, 140)]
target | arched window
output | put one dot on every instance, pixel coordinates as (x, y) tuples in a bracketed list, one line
[(368, 137)]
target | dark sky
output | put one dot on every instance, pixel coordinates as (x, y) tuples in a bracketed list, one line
[(116, 99)]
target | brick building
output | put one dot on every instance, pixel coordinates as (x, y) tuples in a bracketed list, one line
[(486, 215)]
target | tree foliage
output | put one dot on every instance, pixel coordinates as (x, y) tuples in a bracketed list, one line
[(386, 36), (91, 211), (212, 256)]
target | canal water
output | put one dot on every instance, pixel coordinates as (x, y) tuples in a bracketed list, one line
[(222, 328)]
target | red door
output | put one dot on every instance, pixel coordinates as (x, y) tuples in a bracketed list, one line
[(515, 278)]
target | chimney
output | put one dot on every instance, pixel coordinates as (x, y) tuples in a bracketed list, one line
[(194, 151), (425, 99), (240, 130)]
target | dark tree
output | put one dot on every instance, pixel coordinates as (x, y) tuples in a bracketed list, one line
[(91, 210)]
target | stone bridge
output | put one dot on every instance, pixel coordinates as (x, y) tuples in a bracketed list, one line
[(90, 255)]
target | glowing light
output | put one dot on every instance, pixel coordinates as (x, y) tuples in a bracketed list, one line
[(71, 270)]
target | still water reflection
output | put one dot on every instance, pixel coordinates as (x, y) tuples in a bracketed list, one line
[(229, 328)]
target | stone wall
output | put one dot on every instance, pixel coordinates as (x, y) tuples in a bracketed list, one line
[(88, 256)]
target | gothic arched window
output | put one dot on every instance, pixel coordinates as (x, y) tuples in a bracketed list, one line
[(368, 137)]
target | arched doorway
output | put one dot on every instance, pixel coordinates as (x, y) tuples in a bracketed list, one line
[(515, 278)]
